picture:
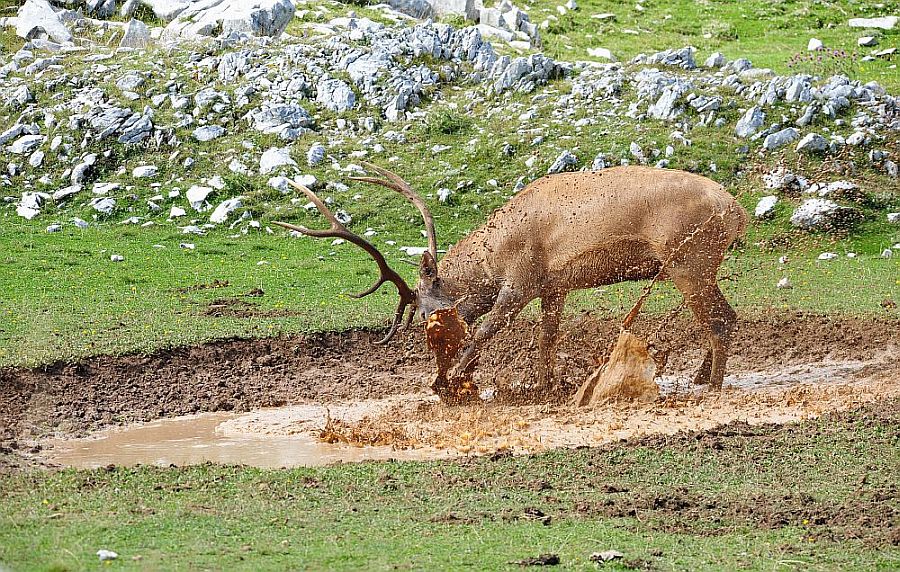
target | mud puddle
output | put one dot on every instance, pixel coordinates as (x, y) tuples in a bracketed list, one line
[(268, 438), (419, 427)]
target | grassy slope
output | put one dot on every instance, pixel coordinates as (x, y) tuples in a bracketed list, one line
[(61, 298), (740, 493)]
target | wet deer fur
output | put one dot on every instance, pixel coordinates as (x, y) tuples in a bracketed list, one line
[(571, 231)]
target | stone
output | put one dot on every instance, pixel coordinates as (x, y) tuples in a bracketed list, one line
[(857, 138), (103, 205), (600, 162), (893, 218), (107, 554), (131, 81), (137, 35), (196, 195), (21, 96), (884, 23), (812, 143), (814, 44), (36, 159), (783, 284), (145, 171), (281, 118), (167, 10), (225, 208), (315, 154), (751, 122), (66, 192), (54, 228), (335, 95), (37, 19), (274, 158), (80, 171), (208, 133), (765, 208), (867, 41), (208, 18), (565, 160), (602, 53), (715, 61), (822, 214), (26, 144), (176, 212), (780, 138)]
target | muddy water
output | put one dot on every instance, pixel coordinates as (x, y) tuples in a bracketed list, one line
[(197, 439), (419, 427)]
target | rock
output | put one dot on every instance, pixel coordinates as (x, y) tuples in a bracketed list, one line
[(26, 144), (893, 218), (208, 132), (884, 23), (683, 58), (103, 205), (66, 192), (867, 41), (665, 107), (54, 228), (565, 160), (602, 53), (822, 214), (137, 35), (145, 171), (599, 162), (11, 133), (780, 138), (135, 129), (808, 114), (765, 208), (814, 44), (36, 159), (315, 154), (827, 256), (128, 8), (37, 19), (167, 10), (224, 209), (107, 554), (196, 195), (857, 138), (131, 81), (285, 119), (80, 171), (208, 18), (812, 143), (82, 224), (751, 122), (783, 284), (715, 61), (887, 253), (21, 96), (176, 212), (335, 95), (891, 169), (274, 158)]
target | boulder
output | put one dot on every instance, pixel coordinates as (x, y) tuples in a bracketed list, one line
[(780, 138), (275, 157), (205, 19), (751, 122), (812, 143), (765, 208), (37, 19), (335, 95), (137, 35), (823, 214), (883, 23)]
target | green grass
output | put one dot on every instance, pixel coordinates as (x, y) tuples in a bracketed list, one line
[(751, 499), (767, 32)]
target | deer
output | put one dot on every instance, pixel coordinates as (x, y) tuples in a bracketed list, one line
[(566, 232)]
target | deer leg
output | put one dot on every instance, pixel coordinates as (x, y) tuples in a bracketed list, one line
[(508, 304), (713, 312), (552, 304)]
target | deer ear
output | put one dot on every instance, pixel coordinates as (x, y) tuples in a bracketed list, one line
[(428, 267)]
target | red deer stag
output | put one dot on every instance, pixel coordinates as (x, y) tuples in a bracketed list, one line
[(567, 232)]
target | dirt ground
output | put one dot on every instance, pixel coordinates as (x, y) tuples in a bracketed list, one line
[(241, 375)]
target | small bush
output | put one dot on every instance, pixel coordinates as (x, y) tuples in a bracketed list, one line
[(447, 122)]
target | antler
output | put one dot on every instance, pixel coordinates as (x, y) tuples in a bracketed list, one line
[(396, 183), (338, 230)]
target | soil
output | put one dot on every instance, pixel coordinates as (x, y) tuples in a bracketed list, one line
[(240, 375)]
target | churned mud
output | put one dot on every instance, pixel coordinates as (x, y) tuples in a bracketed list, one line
[(778, 362)]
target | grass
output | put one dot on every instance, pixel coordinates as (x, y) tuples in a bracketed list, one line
[(750, 499)]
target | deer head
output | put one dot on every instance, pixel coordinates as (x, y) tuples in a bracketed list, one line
[(430, 293)]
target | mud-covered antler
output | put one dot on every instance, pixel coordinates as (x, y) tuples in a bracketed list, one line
[(393, 181), (338, 230)]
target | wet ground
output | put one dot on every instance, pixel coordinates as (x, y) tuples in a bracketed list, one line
[(783, 367)]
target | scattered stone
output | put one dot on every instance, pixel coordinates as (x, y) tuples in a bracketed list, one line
[(823, 214), (780, 138), (335, 95), (274, 158), (208, 133), (176, 212), (715, 61), (606, 556), (887, 253), (602, 53), (196, 196), (751, 122), (827, 256), (814, 44), (812, 143), (884, 23), (315, 154), (765, 208), (203, 20), (565, 160), (106, 554), (145, 171), (36, 19), (26, 144), (784, 284), (137, 35), (867, 41), (224, 209)]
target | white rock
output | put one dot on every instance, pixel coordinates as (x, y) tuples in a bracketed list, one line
[(814, 44), (893, 217), (224, 209), (274, 158), (145, 171), (867, 41), (751, 122), (196, 195), (26, 144), (335, 95), (187, 245), (137, 35), (884, 23), (82, 224), (783, 284), (766, 206), (827, 256), (206, 18), (887, 253), (103, 205), (812, 143), (602, 53), (315, 154), (105, 554), (780, 138), (208, 133), (36, 18)]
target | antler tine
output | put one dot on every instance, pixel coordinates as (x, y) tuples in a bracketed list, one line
[(338, 230), (397, 183)]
